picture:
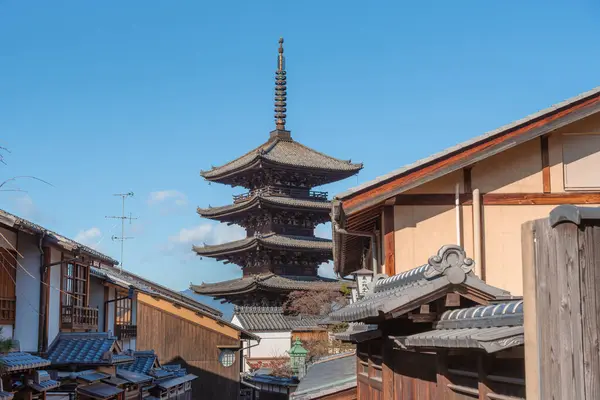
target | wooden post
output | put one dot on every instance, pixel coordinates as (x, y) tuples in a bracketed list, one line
[(442, 375), (532, 361), (389, 240), (482, 369)]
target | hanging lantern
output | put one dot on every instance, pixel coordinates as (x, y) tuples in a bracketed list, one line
[(363, 277)]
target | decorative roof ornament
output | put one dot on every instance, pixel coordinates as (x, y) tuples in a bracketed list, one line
[(280, 90)]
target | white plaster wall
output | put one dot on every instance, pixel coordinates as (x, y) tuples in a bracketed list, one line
[(28, 293), (54, 296), (97, 300)]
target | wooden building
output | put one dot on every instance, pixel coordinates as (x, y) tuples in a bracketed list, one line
[(279, 212), (437, 332), (476, 194)]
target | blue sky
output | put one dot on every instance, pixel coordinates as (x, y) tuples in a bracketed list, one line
[(115, 96)]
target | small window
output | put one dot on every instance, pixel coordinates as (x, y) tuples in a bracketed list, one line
[(227, 357), (376, 372), (581, 161)]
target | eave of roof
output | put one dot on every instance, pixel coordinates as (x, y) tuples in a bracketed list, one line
[(70, 245), (285, 153), (264, 319), (267, 282), (530, 127), (268, 201), (271, 240)]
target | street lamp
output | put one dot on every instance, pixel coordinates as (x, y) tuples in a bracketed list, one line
[(298, 358)]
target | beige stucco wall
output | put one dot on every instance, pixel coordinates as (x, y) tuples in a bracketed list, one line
[(422, 230)]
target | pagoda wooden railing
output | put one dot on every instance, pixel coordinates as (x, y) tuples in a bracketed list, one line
[(8, 308), (283, 192), (76, 317), (125, 331)]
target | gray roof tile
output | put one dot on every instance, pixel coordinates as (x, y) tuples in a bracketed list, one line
[(19, 361), (133, 377), (491, 328), (265, 201), (327, 376), (287, 153), (44, 386), (271, 240), (446, 270), (143, 362), (99, 390), (257, 319), (85, 349), (169, 383), (269, 282), (93, 376)]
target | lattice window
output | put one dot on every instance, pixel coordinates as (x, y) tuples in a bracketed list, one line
[(8, 274), (123, 310), (74, 284)]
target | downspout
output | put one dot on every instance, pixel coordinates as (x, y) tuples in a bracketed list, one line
[(373, 238), (43, 297), (477, 233), (458, 219)]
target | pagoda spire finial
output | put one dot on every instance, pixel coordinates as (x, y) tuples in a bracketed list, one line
[(280, 90)]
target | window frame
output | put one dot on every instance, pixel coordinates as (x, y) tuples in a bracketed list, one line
[(124, 305), (75, 284)]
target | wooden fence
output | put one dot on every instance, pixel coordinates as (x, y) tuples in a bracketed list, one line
[(561, 264)]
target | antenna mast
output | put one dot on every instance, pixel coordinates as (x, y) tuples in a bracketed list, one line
[(123, 217)]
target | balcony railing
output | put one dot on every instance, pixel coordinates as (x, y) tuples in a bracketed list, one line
[(283, 192), (8, 306), (125, 331), (76, 317)]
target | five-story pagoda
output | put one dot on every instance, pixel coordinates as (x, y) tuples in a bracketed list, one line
[(279, 211)]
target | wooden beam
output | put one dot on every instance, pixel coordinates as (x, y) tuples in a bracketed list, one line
[(500, 199), (468, 187), (545, 164), (389, 240)]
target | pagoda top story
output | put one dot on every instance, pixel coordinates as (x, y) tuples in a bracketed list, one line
[(281, 160), (279, 213)]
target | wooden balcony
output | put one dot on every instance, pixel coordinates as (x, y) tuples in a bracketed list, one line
[(125, 331), (79, 318), (8, 307), (283, 192)]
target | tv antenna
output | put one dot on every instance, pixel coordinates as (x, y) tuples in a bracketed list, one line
[(123, 217)]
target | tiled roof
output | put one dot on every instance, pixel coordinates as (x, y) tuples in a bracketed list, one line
[(271, 240), (43, 386), (286, 153), (169, 383), (62, 241), (259, 319), (448, 269), (99, 390), (133, 377), (19, 361), (264, 201), (93, 376), (115, 381), (6, 395), (491, 328), (269, 282), (143, 362), (85, 349), (358, 332), (327, 376)]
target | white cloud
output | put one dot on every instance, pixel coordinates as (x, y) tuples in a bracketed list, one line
[(172, 197), (206, 233), (89, 237)]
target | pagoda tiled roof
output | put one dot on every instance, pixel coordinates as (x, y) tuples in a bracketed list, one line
[(264, 199), (286, 153), (271, 240), (268, 281), (260, 318)]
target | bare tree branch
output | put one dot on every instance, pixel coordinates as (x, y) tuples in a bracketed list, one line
[(14, 178)]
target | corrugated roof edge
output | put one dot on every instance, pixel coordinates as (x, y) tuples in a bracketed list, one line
[(367, 185), (24, 225)]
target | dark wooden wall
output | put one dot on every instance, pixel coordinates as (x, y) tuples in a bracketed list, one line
[(177, 340)]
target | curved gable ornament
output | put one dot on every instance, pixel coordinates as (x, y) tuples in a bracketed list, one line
[(451, 261)]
